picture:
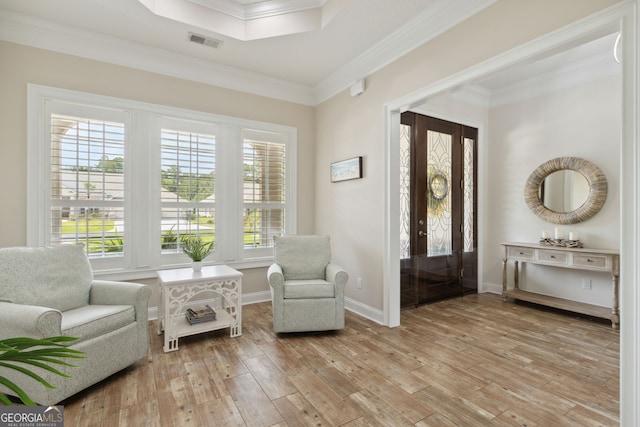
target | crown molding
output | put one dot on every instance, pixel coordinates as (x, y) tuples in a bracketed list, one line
[(440, 16), (473, 95), (263, 9), (43, 34), (578, 73), (259, 20)]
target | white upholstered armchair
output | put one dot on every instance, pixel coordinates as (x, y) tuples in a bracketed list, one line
[(46, 292), (307, 290)]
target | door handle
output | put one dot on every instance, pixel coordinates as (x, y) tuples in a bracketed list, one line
[(421, 233)]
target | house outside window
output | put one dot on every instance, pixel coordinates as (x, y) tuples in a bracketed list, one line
[(130, 181)]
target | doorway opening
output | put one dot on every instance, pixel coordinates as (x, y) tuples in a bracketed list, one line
[(438, 197)]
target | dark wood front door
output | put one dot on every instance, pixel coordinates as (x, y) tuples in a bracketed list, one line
[(442, 253)]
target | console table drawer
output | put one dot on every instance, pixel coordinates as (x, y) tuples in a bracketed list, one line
[(553, 257), (521, 253), (590, 260)]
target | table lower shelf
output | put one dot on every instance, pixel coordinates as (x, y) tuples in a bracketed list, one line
[(182, 328), (560, 303)]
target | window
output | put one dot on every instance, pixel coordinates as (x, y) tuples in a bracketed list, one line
[(187, 181), (264, 188), (87, 185), (131, 181)]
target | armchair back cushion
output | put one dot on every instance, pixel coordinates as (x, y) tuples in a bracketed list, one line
[(303, 257), (28, 276)]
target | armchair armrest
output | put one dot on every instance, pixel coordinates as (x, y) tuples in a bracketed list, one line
[(18, 320), (275, 276), (107, 292), (276, 282), (336, 275)]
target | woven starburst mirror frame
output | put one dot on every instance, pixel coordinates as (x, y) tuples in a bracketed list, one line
[(595, 200)]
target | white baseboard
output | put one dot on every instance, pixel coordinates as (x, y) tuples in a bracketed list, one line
[(364, 310), (352, 305), (368, 312), (256, 297), (492, 288)]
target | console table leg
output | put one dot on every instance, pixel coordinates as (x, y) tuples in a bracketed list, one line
[(515, 276), (615, 311), (504, 280)]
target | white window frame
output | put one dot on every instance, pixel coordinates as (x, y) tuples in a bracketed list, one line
[(143, 255)]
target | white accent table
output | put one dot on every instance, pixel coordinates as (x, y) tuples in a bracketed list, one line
[(604, 260), (179, 287)]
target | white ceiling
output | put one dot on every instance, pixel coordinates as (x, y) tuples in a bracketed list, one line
[(306, 67)]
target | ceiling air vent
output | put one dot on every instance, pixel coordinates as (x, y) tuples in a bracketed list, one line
[(204, 40)]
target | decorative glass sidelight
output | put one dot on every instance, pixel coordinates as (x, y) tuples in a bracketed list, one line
[(405, 191), (438, 224), (468, 188)]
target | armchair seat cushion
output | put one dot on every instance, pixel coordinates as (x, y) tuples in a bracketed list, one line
[(93, 321), (297, 289)]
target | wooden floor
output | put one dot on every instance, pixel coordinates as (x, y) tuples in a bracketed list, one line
[(471, 361)]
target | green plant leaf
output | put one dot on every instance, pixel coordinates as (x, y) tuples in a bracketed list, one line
[(17, 390), (31, 374), (40, 353), (196, 248), (25, 342)]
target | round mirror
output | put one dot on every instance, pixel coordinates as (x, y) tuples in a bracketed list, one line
[(575, 191), (564, 191)]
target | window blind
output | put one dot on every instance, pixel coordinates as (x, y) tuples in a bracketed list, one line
[(188, 165), (87, 184), (264, 185)]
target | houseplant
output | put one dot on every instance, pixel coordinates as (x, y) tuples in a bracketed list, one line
[(197, 250), (15, 353)]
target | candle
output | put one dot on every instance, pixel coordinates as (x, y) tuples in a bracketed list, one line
[(546, 234), (559, 233), (573, 235)]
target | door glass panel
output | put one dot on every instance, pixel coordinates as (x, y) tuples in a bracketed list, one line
[(438, 177), (469, 190), (405, 191)]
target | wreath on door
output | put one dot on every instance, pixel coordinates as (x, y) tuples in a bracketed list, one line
[(437, 191)]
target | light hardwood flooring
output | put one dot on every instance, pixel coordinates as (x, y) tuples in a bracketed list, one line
[(471, 361)]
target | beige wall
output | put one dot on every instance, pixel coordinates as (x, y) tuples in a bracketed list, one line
[(21, 65), (353, 212)]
